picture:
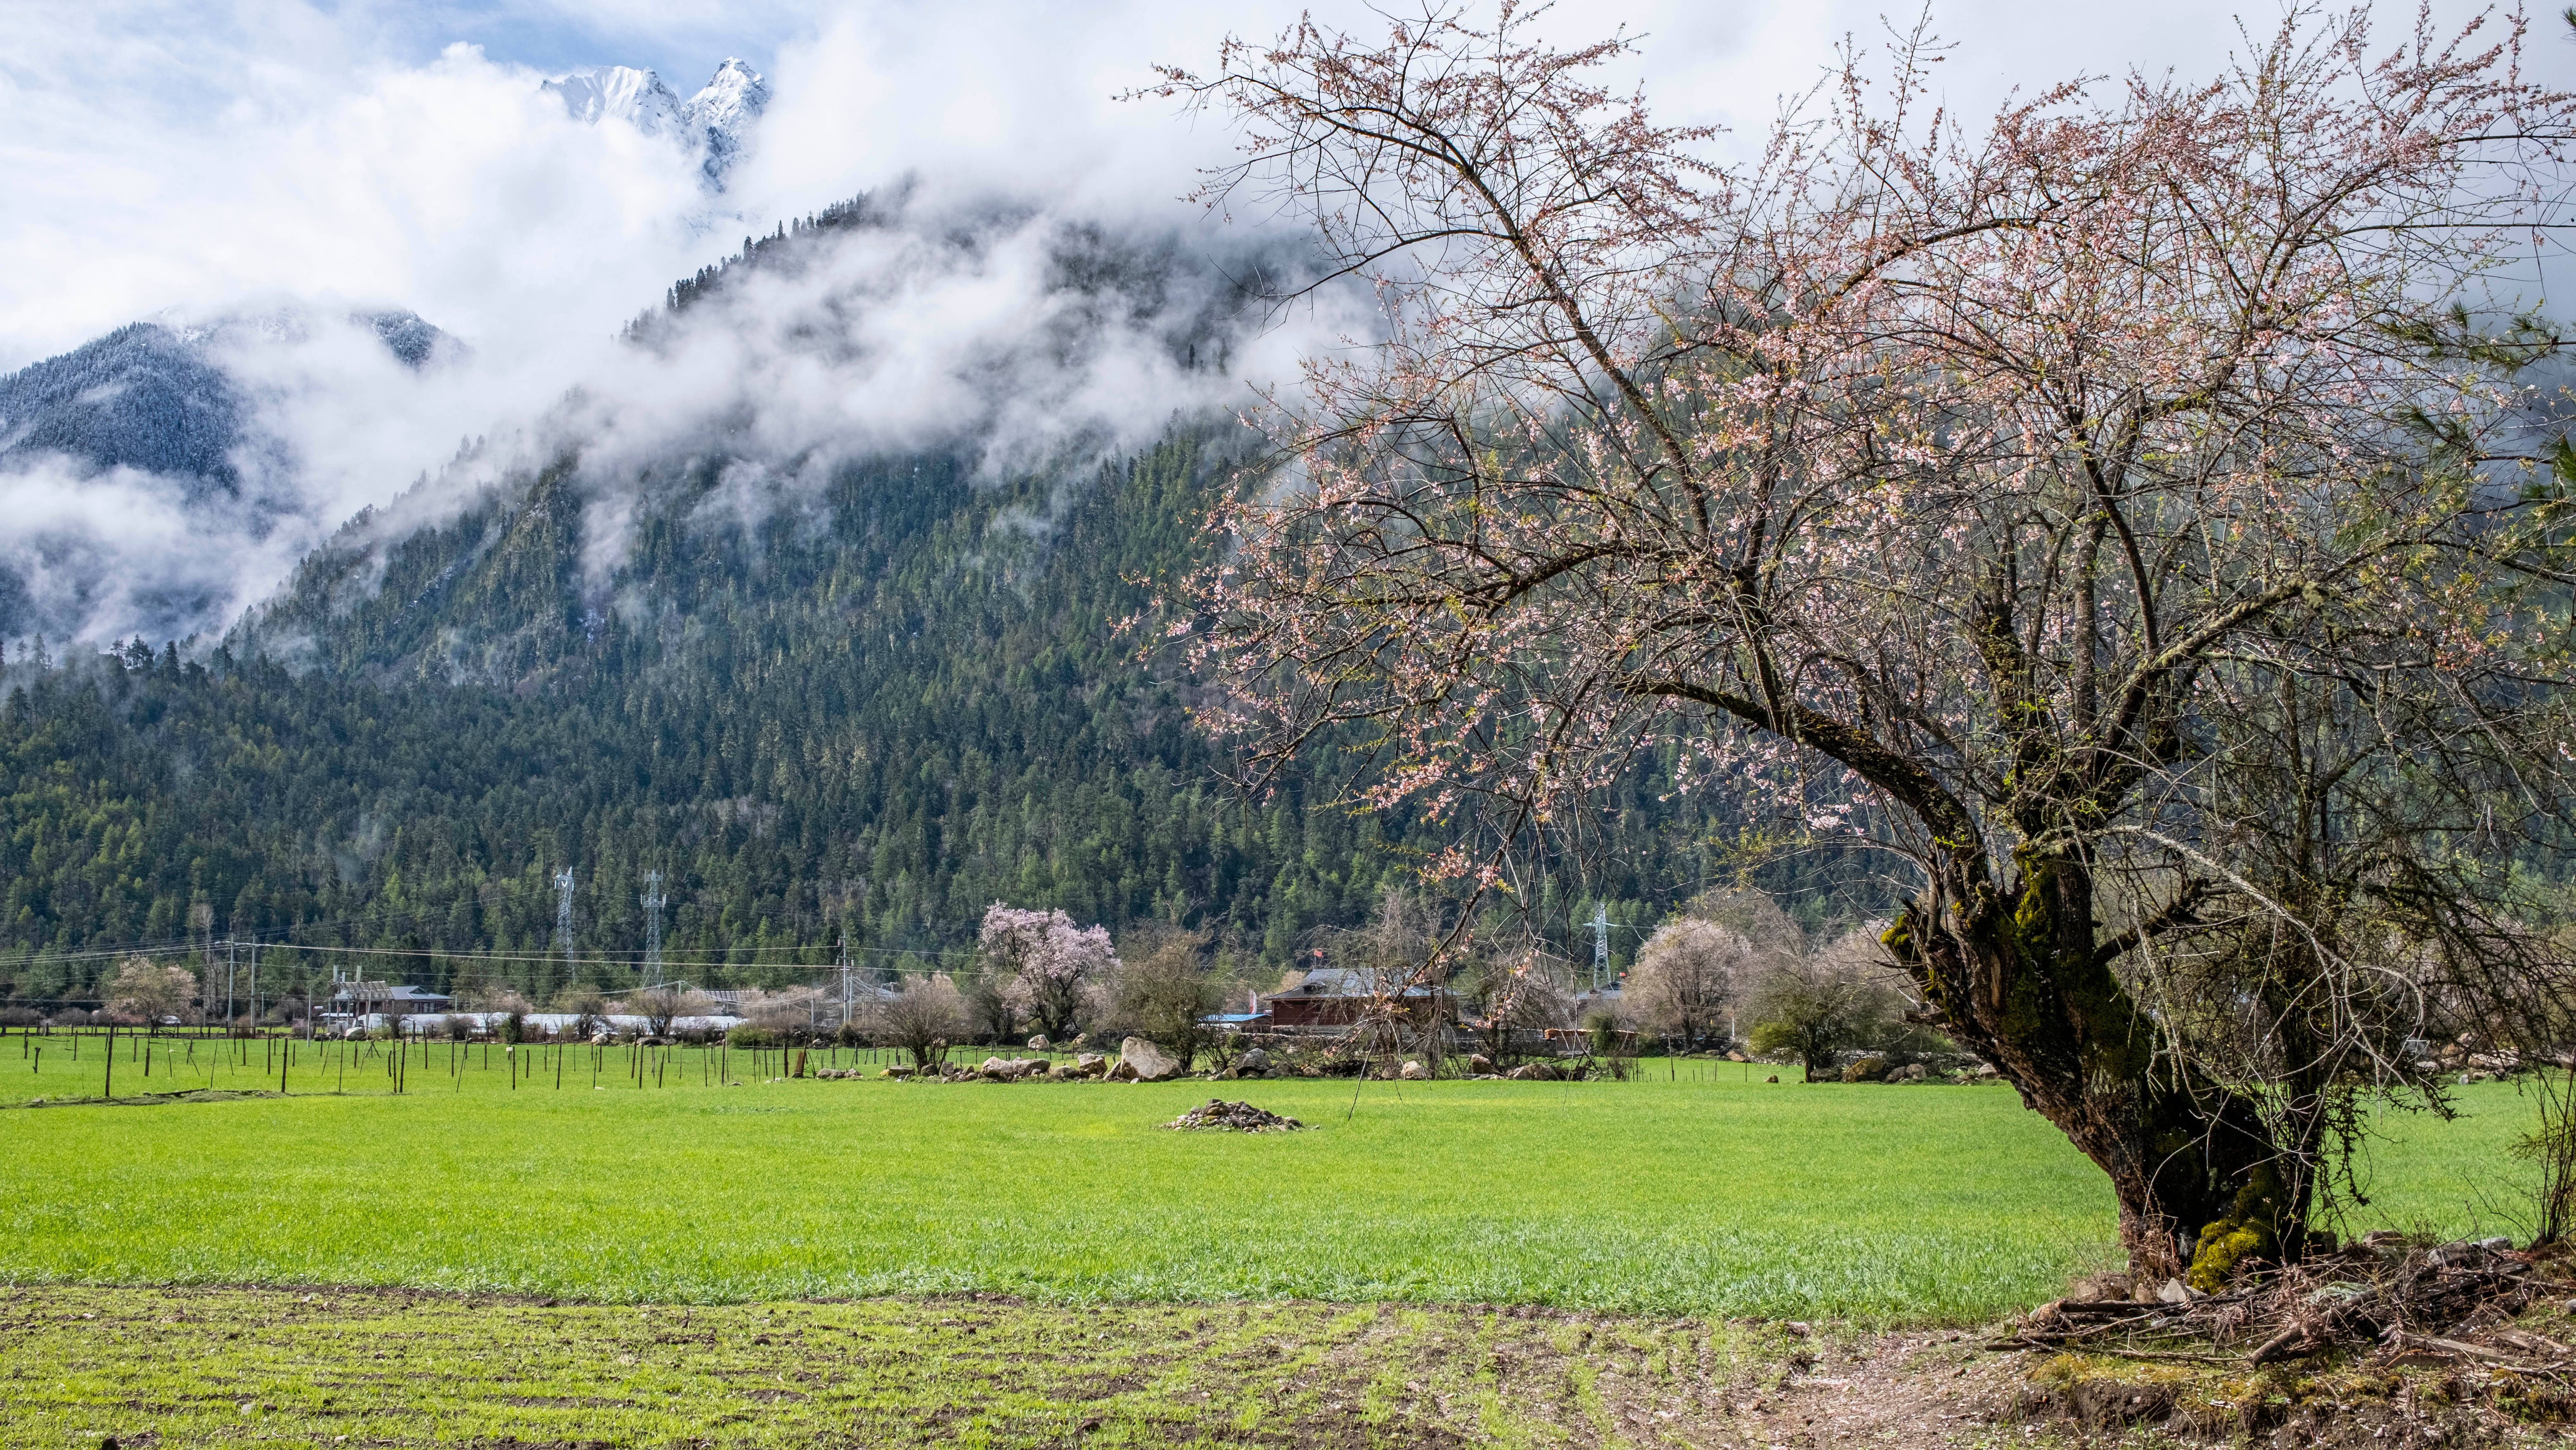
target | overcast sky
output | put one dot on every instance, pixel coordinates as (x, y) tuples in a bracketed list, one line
[(189, 152), (193, 159)]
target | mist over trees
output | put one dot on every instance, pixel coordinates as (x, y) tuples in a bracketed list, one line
[(868, 722)]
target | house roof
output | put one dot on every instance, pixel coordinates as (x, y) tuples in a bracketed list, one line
[(386, 992), (1342, 982)]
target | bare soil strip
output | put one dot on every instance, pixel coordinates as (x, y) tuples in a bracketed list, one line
[(81, 1365)]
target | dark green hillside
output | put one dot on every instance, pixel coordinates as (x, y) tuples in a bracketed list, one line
[(864, 703), (871, 713)]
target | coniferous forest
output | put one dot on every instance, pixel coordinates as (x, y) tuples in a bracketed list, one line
[(832, 704), (860, 719)]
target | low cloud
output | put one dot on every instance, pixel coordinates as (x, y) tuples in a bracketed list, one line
[(1030, 341), (108, 555), (291, 159)]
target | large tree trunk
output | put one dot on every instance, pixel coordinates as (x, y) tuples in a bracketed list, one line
[(2021, 980)]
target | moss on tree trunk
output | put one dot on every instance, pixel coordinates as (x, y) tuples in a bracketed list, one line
[(2020, 979)]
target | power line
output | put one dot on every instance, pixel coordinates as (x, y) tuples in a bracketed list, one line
[(622, 959), (484, 893)]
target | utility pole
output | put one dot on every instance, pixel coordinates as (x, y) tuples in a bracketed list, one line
[(653, 900), (845, 982), (563, 919)]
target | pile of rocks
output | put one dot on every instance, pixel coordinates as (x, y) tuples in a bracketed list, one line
[(1223, 1116), (1087, 1066)]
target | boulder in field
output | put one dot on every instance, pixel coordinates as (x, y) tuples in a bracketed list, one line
[(1479, 1063), (1414, 1071), (1152, 1064), (1123, 1071), (1039, 1043), (1090, 1064)]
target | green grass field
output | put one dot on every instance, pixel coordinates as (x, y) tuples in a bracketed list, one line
[(1687, 1192)]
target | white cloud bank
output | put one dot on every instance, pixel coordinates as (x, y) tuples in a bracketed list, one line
[(280, 154)]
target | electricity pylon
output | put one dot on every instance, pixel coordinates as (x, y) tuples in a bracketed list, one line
[(563, 920), (1600, 944), (653, 902)]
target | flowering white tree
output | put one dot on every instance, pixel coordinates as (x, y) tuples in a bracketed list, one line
[(2119, 512), (146, 991), (1047, 962), (1687, 975)]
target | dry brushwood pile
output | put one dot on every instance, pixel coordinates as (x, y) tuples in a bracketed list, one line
[(1221, 1116), (2391, 1301)]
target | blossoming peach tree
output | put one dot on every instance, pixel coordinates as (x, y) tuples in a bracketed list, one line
[(2129, 516), (1046, 964)]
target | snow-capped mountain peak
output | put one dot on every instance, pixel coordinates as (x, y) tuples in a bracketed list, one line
[(732, 100), (636, 97), (716, 122)]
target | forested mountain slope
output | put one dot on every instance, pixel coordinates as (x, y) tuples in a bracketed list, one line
[(140, 397), (868, 717), (825, 699)]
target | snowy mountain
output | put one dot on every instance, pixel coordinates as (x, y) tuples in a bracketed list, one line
[(715, 123), (137, 469), (157, 398), (142, 397), (720, 116), (636, 97)]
